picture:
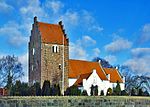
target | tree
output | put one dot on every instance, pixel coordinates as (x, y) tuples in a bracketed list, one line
[(117, 89), (133, 92), (10, 71), (84, 93), (102, 92), (73, 91), (94, 90), (56, 90), (109, 91), (104, 63), (46, 90), (37, 89)]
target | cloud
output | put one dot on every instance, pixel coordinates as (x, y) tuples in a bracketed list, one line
[(76, 51), (111, 59), (145, 35), (54, 5), (4, 7), (139, 65), (96, 52), (118, 44), (24, 60), (96, 28), (14, 35), (140, 52), (78, 48)]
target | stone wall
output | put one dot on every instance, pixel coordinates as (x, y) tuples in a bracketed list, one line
[(50, 62), (77, 101)]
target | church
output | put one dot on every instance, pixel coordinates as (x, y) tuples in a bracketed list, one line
[(49, 60)]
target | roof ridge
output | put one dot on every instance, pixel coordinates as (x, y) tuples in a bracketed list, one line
[(49, 23)]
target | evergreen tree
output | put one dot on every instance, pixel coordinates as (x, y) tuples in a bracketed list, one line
[(73, 91), (46, 91), (133, 93), (84, 93), (37, 88), (109, 91), (140, 93), (102, 92), (117, 89)]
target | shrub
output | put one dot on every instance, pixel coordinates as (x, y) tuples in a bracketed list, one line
[(102, 93), (109, 91), (73, 91), (84, 93), (46, 91)]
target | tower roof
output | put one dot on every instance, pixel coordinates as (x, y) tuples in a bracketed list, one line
[(52, 33)]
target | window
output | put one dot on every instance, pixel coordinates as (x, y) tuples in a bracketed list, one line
[(33, 51), (59, 66), (55, 49), (32, 67)]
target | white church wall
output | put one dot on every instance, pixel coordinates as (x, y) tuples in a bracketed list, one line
[(72, 81)]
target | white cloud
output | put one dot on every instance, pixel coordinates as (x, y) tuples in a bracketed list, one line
[(70, 17), (139, 65), (14, 34), (76, 51), (24, 61), (4, 7), (118, 44), (111, 59), (139, 52), (96, 28), (54, 5), (145, 35), (96, 52)]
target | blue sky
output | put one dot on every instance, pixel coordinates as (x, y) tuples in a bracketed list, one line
[(118, 31)]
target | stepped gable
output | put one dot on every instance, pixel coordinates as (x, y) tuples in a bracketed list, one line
[(52, 33)]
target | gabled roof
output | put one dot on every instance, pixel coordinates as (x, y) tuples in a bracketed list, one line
[(51, 33), (114, 75), (80, 79), (79, 67)]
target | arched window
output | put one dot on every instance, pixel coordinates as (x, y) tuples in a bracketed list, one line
[(55, 49)]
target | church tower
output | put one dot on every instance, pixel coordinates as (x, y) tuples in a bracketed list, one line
[(48, 54)]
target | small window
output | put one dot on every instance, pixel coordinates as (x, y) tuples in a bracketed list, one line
[(33, 51), (59, 66), (55, 49), (32, 67)]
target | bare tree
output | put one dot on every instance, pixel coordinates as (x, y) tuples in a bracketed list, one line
[(10, 71)]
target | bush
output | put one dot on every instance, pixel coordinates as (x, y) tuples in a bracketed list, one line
[(46, 90), (56, 90), (124, 93), (73, 91), (102, 93), (84, 93), (94, 90), (133, 92), (117, 89), (109, 91)]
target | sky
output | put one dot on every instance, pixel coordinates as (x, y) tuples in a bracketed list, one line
[(115, 30)]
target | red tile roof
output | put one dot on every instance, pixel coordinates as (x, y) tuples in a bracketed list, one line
[(51, 33), (114, 75), (80, 79), (79, 67)]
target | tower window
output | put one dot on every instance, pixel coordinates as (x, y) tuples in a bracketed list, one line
[(33, 51), (55, 49), (59, 66), (32, 67)]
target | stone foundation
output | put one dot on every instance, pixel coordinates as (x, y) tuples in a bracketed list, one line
[(75, 101)]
